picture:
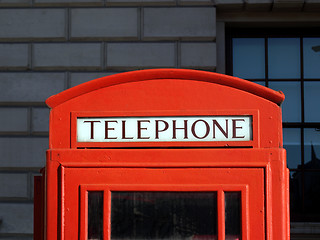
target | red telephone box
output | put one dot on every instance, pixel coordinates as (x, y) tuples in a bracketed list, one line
[(165, 154)]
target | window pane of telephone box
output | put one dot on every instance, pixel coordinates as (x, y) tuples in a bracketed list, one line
[(248, 58), (292, 144), (312, 100), (311, 57), (284, 58), (233, 215), (291, 107), (95, 215), (163, 215)]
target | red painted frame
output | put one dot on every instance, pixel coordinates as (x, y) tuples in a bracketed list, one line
[(219, 188), (200, 93), (271, 161)]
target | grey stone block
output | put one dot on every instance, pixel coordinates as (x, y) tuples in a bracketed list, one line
[(311, 5), (198, 55), (287, 5), (32, 24), (140, 55), (14, 56), (141, 2), (229, 5), (17, 238), (16, 218), (180, 23), (78, 78), (228, 2), (67, 56), (68, 2), (196, 2), (30, 87), (15, 3), (14, 120), (104, 23), (14, 185), (258, 1), (40, 119), (258, 5), (22, 152)]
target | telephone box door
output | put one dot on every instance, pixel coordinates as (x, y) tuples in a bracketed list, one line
[(165, 203)]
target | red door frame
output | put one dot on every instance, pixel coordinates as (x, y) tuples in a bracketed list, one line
[(254, 177), (269, 160)]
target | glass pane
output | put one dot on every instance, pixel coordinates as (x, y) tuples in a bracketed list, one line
[(291, 142), (248, 58), (291, 107), (312, 148), (311, 57), (284, 58), (233, 215), (296, 195), (95, 215), (163, 215), (312, 194), (262, 83), (311, 101)]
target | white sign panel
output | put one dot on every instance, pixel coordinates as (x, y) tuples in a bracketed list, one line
[(164, 129)]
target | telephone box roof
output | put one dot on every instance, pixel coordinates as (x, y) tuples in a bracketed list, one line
[(153, 74)]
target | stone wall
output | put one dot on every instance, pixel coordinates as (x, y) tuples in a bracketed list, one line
[(47, 46)]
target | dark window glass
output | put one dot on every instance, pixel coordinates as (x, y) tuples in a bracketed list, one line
[(95, 215), (312, 100), (163, 215), (291, 107), (284, 58), (296, 195), (233, 215), (311, 55), (293, 66), (311, 199), (292, 143), (312, 149), (262, 83), (248, 58)]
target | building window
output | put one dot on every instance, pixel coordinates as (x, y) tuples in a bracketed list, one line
[(290, 62)]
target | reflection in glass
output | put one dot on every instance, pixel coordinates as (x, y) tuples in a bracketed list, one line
[(311, 101), (233, 215), (292, 143), (163, 215), (248, 58), (311, 57), (311, 177), (312, 192), (95, 215), (312, 148), (284, 58), (291, 107), (296, 195)]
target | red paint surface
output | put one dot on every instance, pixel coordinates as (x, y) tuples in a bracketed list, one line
[(257, 168)]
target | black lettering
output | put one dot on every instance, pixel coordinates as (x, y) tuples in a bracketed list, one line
[(193, 129), (91, 128)]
